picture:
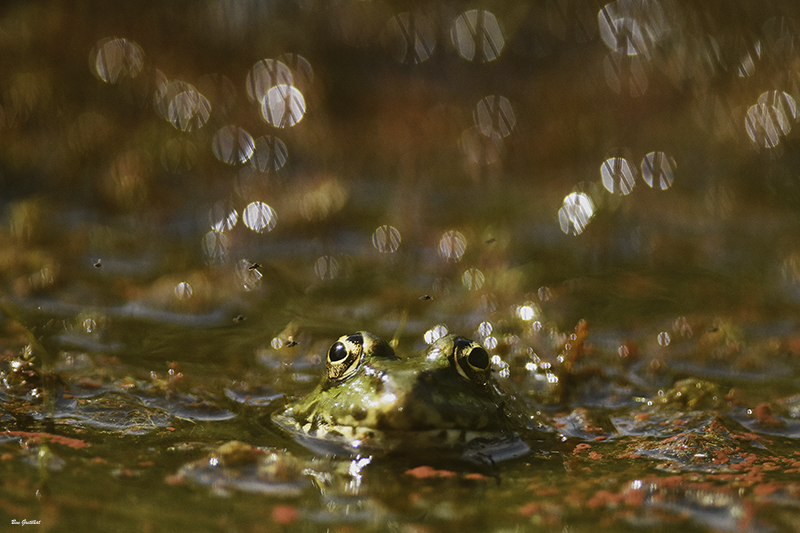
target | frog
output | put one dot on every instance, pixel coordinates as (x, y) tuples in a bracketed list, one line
[(373, 402)]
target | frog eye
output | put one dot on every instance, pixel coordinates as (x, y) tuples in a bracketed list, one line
[(471, 360), (344, 356)]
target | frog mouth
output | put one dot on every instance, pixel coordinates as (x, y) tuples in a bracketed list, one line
[(359, 440)]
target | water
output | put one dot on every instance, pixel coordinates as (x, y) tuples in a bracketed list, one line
[(198, 199)]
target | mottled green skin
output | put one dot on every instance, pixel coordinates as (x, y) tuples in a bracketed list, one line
[(390, 403)]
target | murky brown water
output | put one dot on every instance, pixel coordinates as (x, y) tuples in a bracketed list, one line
[(198, 198)]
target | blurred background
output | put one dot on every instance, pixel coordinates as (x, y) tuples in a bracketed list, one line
[(226, 158)]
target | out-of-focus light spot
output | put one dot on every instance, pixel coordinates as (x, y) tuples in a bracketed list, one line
[(625, 74), (178, 155), (619, 32), (265, 75), (410, 37), (386, 239), (528, 311), (284, 106), (663, 338), (326, 197), (302, 73), (623, 351), (326, 267), (183, 290), (477, 36), (452, 245), (189, 110), (494, 115), (480, 149), (270, 154), (89, 325), (259, 217), (276, 343), (127, 183), (215, 245), (436, 332), (485, 329), (181, 104), (770, 118), (747, 64), (233, 145), (249, 277), (473, 279), (657, 170), (117, 58), (222, 217), (544, 294), (618, 175), (490, 343), (575, 213)]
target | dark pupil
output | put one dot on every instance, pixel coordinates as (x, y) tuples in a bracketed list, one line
[(337, 352), (478, 358)]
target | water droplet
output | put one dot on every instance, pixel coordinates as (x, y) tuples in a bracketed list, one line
[(410, 37), (233, 145), (259, 217), (283, 106), (189, 110), (265, 75), (270, 154), (183, 290), (544, 294), (326, 267), (473, 279), (495, 116), (436, 332), (215, 245), (770, 118), (386, 239), (575, 213), (485, 329), (476, 35), (117, 58), (490, 343), (618, 176), (663, 338), (527, 311), (223, 217), (452, 245), (89, 325), (657, 170)]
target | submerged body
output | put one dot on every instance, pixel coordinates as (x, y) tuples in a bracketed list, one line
[(371, 401)]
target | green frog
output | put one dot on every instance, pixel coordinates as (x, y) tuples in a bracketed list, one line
[(371, 401)]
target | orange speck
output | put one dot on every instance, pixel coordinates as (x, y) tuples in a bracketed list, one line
[(170, 428), (582, 446), (595, 455), (642, 417), (474, 475), (599, 438), (422, 472), (174, 479), (146, 463), (6, 457), (284, 514), (529, 509)]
